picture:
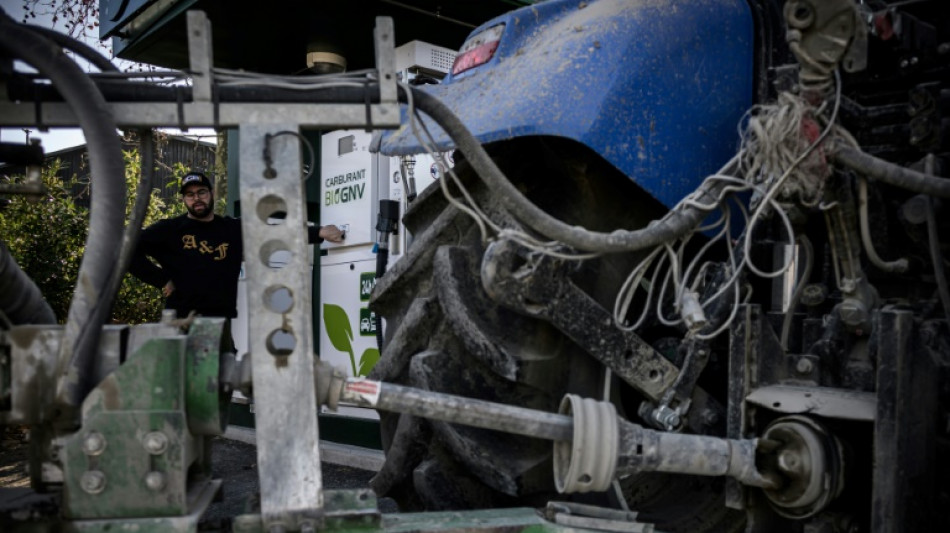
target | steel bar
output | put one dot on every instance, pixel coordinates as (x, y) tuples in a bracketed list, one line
[(200, 54), (201, 114), (280, 338), (457, 409)]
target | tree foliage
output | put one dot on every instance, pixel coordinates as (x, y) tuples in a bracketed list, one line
[(47, 238), (79, 17)]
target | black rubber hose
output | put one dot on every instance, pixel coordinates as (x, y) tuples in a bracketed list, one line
[(382, 261), (20, 299), (81, 49), (887, 172), (130, 237), (677, 223), (80, 339), (936, 259)]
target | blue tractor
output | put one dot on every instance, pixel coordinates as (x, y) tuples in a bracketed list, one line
[(697, 244), (688, 209)]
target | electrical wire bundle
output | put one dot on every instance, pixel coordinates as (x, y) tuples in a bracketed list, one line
[(764, 165)]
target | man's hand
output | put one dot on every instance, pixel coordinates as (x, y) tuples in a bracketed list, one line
[(168, 289), (331, 233)]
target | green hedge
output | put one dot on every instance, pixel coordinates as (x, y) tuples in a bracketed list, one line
[(47, 238)]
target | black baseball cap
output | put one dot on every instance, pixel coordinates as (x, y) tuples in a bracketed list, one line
[(194, 178)]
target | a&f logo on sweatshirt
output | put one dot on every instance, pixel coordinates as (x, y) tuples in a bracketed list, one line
[(190, 243)]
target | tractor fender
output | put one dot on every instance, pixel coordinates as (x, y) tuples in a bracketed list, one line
[(655, 87)]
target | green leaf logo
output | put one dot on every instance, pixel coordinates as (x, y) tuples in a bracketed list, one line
[(338, 329), (368, 360)]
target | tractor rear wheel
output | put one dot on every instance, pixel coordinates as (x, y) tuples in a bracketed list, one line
[(445, 334)]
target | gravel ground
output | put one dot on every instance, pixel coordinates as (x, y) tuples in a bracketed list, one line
[(233, 462)]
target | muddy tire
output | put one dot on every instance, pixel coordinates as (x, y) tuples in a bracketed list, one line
[(445, 334)]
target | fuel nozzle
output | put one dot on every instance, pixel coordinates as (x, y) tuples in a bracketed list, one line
[(407, 167), (386, 222)]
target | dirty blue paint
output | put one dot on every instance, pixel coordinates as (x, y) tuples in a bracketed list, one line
[(655, 87)]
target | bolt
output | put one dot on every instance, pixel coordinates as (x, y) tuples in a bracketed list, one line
[(92, 481), (155, 443), (904, 63), (710, 417), (672, 421), (155, 480), (814, 294), (789, 462), (804, 365), (94, 443)]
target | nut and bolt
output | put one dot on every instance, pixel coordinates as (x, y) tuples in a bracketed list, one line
[(672, 421), (155, 443), (94, 443), (155, 480), (710, 417), (92, 481), (804, 365), (814, 294)]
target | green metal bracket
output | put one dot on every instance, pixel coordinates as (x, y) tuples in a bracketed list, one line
[(205, 401), (344, 510), (131, 456), (141, 455), (169, 524)]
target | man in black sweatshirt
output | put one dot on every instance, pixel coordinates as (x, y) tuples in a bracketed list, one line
[(199, 254)]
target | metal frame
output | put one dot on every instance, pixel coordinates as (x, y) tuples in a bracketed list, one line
[(203, 112), (285, 398), (292, 495)]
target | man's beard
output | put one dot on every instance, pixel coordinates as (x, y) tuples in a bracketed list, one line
[(199, 211)]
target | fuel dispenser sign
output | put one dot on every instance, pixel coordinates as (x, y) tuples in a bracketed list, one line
[(367, 283), (346, 186), (367, 317)]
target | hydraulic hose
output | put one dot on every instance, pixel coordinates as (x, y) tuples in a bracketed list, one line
[(386, 223), (130, 237), (933, 242), (809, 252), (20, 299), (936, 259), (80, 48), (78, 346), (677, 223), (898, 265), (896, 175)]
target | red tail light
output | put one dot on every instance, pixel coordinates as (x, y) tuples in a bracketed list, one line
[(478, 49)]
